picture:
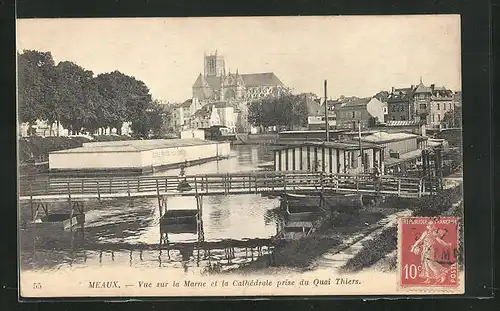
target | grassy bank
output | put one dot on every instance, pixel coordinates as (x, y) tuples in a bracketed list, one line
[(385, 243)]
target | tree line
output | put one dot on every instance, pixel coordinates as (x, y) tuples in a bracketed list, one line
[(288, 111), (66, 94)]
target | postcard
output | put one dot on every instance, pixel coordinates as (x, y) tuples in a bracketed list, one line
[(240, 156)]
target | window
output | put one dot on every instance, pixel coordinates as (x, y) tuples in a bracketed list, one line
[(393, 108), (354, 114), (450, 106), (438, 106), (439, 117), (402, 118), (423, 106), (432, 117)]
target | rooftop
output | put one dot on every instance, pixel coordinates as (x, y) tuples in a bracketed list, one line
[(134, 145), (381, 137)]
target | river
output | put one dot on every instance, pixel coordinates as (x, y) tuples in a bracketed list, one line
[(120, 224)]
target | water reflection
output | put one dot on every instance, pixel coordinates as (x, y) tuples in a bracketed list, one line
[(129, 231)]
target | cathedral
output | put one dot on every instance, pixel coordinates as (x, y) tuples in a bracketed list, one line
[(217, 85)]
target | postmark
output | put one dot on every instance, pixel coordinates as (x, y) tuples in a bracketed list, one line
[(428, 252)]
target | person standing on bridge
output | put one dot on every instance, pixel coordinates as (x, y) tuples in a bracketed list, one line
[(183, 184)]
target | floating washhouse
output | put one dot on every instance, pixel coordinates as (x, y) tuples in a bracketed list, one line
[(135, 156), (401, 150), (329, 157)]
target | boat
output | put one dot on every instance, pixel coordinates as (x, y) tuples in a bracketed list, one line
[(178, 228), (179, 217), (297, 211), (295, 230), (58, 221)]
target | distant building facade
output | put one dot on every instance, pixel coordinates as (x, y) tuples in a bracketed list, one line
[(428, 104), (358, 111), (217, 85)]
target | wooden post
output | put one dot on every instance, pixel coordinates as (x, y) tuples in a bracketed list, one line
[(70, 207), (110, 181), (284, 182), (138, 184), (195, 185), (158, 196), (98, 191), (128, 188)]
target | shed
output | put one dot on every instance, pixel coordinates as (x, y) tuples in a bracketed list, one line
[(329, 157)]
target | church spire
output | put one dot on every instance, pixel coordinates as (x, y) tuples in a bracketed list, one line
[(420, 79)]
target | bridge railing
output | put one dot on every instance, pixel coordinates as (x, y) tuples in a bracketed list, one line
[(222, 183)]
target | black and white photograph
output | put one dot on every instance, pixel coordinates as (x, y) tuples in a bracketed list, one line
[(240, 156)]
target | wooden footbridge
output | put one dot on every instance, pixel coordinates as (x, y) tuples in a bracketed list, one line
[(266, 183)]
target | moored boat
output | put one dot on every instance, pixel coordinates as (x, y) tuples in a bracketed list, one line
[(179, 217)]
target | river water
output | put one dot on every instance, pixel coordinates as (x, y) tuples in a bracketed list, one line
[(113, 228)]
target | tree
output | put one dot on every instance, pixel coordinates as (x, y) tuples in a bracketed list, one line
[(36, 87), (287, 110), (76, 96), (453, 118)]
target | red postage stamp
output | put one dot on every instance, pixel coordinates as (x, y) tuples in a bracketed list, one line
[(428, 252)]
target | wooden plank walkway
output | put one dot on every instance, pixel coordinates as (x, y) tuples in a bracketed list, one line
[(217, 184)]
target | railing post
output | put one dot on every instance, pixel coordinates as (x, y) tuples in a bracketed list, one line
[(98, 191), (195, 185), (166, 184), (82, 185), (420, 188), (110, 181), (399, 186), (128, 187), (70, 207), (284, 182), (138, 184)]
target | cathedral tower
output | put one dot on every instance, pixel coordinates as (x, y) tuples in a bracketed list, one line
[(214, 65)]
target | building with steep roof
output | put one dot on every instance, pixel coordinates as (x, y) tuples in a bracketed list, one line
[(217, 85), (423, 103)]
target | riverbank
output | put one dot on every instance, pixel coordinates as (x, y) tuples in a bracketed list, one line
[(358, 240)]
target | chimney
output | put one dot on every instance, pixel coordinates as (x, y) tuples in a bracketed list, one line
[(432, 87), (392, 90), (412, 86)]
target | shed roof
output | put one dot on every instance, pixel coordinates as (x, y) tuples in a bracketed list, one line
[(134, 145), (382, 137)]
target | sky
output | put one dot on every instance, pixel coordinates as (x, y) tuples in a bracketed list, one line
[(358, 55)]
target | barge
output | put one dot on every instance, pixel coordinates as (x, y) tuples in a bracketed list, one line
[(135, 157)]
